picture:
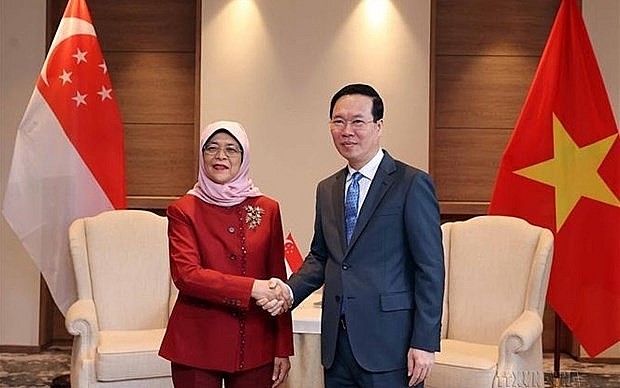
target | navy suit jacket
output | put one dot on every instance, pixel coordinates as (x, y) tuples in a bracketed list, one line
[(391, 273)]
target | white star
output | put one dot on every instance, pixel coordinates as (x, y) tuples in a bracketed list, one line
[(104, 67), (66, 76), (80, 56), (105, 93), (79, 99)]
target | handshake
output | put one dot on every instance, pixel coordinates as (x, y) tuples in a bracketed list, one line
[(272, 295)]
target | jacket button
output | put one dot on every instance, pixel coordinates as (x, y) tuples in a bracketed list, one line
[(231, 229), (232, 256), (345, 267)]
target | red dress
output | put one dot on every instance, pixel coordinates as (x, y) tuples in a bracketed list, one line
[(215, 255)]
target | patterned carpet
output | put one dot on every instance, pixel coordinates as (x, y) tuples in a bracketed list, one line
[(582, 374), (39, 370), (33, 370)]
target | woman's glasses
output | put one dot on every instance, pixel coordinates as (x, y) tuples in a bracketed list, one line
[(214, 149)]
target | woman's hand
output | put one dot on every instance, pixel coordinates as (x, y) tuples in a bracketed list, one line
[(281, 366), (272, 295), (263, 289)]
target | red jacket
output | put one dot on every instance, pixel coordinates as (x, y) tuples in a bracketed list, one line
[(215, 255)]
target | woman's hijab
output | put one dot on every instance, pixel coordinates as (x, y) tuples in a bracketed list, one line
[(237, 189)]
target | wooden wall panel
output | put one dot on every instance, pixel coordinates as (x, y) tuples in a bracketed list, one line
[(145, 25), (156, 151), (481, 91), (153, 87), (138, 25), (493, 27), (467, 162)]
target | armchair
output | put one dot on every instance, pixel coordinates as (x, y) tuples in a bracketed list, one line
[(497, 272), (125, 295)]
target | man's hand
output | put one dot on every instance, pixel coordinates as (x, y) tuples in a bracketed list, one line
[(281, 366), (281, 303), (419, 365)]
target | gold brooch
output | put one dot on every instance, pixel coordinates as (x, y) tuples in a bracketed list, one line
[(253, 216)]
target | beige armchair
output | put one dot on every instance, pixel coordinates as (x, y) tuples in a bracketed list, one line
[(125, 295), (497, 271)]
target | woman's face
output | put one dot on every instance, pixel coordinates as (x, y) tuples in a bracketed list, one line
[(222, 157)]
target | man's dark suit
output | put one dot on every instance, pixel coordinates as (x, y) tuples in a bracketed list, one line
[(391, 274)]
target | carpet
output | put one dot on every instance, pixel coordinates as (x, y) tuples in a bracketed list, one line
[(40, 370), (33, 370)]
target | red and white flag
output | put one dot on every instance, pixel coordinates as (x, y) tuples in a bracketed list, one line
[(68, 160), (293, 257)]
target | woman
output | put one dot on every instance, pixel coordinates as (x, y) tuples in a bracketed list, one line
[(224, 236)]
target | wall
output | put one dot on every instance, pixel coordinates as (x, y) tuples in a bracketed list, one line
[(277, 65), (602, 19), (22, 51)]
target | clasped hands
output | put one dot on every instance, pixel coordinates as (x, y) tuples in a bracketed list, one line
[(272, 295)]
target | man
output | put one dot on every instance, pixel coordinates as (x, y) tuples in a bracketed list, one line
[(377, 249)]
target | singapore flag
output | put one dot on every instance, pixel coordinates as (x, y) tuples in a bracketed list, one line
[(68, 161), (292, 255)]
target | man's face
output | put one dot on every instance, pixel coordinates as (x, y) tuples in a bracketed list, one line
[(358, 139)]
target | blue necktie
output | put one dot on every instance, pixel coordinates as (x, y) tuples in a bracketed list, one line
[(350, 205)]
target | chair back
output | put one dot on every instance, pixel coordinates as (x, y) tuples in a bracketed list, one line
[(496, 267), (121, 262)]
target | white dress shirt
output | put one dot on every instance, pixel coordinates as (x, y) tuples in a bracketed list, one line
[(368, 172)]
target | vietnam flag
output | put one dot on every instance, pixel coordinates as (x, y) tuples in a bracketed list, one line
[(561, 170), (292, 254), (68, 160)]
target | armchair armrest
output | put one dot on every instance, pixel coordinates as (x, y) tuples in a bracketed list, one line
[(518, 338), (81, 321), (521, 334), (519, 362)]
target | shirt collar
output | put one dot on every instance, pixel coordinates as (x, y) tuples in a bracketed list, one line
[(369, 169)]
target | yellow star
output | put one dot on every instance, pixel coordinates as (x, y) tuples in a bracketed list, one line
[(573, 172)]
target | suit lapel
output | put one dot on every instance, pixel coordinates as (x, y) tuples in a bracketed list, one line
[(338, 210), (379, 186)]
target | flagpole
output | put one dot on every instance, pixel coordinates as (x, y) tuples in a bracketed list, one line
[(556, 352)]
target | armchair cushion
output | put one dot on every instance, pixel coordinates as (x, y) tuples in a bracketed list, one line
[(463, 364), (130, 354)]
